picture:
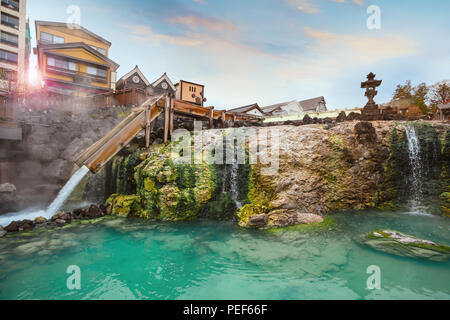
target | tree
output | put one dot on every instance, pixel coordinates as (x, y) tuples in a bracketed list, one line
[(420, 92), (440, 92), (403, 91)]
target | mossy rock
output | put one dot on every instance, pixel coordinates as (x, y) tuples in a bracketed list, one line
[(124, 206), (166, 191), (400, 244), (249, 210), (445, 203)]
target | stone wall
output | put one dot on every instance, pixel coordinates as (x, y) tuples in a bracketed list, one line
[(43, 161)]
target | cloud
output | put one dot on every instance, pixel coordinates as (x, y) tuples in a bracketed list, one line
[(233, 69), (358, 2), (303, 5), (307, 7), (210, 24), (362, 49)]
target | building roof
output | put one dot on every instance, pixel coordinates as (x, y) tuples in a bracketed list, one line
[(161, 79), (311, 104), (443, 106), (129, 74), (79, 45), (78, 27), (272, 108), (248, 108)]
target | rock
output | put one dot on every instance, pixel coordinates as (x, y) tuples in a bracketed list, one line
[(366, 133), (342, 117), (79, 214), (353, 116), (59, 170), (62, 216), (7, 188), (307, 120), (2, 232), (40, 220), (27, 225), (284, 218), (397, 243), (13, 227), (60, 222), (94, 212), (258, 221)]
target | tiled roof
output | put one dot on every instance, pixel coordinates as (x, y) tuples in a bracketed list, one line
[(311, 104)]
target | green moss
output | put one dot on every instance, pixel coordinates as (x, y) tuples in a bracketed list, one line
[(249, 210), (326, 224), (172, 192), (124, 206)]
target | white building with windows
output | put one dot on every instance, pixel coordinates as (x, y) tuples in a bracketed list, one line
[(14, 51)]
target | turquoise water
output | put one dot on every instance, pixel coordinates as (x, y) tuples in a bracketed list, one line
[(215, 260)]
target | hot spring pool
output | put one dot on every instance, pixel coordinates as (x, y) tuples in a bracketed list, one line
[(122, 259)]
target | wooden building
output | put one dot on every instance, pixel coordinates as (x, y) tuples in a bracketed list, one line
[(74, 61), (297, 107), (190, 92), (443, 111), (252, 109), (135, 78)]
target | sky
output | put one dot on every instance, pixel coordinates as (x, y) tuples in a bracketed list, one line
[(270, 51)]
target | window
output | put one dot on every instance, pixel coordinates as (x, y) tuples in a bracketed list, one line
[(9, 75), (50, 39), (8, 56), (9, 38), (10, 21), (61, 64), (12, 4), (102, 51), (97, 72)]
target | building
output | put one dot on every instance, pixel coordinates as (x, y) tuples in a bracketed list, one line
[(74, 61), (190, 92), (443, 111), (135, 78), (316, 105), (13, 45), (252, 109), (14, 57)]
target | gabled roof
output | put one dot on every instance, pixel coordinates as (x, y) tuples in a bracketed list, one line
[(311, 104), (161, 79), (129, 74), (247, 108), (64, 25), (272, 108), (79, 45)]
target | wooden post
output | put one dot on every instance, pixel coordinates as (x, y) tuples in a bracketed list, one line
[(166, 120), (147, 127), (211, 118), (224, 117), (171, 117)]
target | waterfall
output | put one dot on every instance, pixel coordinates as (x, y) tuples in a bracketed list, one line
[(234, 183), (416, 177), (54, 207), (65, 192)]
